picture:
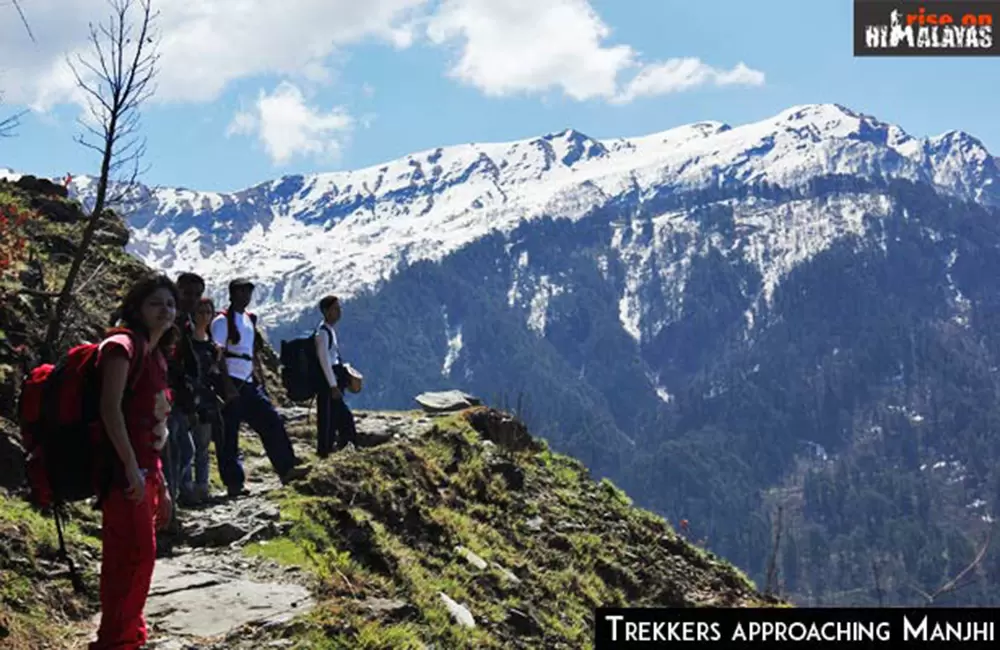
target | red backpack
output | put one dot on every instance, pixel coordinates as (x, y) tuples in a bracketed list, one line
[(68, 456)]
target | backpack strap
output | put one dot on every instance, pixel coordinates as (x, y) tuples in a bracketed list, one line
[(329, 341), (139, 351)]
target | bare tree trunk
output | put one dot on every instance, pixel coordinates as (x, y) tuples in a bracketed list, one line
[(878, 583), (117, 85), (772, 563)]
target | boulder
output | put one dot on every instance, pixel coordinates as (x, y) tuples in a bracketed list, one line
[(218, 534), (502, 429), (446, 401)]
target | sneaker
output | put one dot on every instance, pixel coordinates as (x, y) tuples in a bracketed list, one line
[(236, 492), (294, 474)]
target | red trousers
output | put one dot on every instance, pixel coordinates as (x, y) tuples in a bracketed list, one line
[(128, 553)]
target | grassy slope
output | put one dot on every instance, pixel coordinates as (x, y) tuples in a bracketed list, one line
[(38, 608), (385, 523)]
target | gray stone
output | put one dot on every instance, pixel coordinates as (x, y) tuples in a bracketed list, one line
[(221, 533), (446, 401), (471, 557), (460, 613), (213, 609), (507, 573), (534, 524)]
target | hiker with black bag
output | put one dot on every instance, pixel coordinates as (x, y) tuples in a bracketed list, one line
[(334, 420), (246, 400)]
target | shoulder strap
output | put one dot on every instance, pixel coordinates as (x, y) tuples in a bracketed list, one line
[(138, 360), (329, 334), (136, 363)]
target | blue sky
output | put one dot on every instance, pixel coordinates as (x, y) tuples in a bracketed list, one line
[(391, 99)]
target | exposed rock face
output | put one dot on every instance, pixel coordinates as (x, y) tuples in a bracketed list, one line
[(502, 429)]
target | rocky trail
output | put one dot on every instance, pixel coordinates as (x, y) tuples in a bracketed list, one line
[(207, 593)]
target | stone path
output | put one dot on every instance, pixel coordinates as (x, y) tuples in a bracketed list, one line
[(207, 588)]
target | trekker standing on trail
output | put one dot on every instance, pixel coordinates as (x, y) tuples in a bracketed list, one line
[(334, 420), (246, 400), (207, 419), (136, 500), (184, 374)]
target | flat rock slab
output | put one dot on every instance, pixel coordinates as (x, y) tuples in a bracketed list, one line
[(203, 604), (446, 401)]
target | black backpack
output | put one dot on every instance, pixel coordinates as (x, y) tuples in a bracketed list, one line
[(301, 374)]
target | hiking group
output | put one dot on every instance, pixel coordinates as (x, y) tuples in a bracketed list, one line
[(130, 421)]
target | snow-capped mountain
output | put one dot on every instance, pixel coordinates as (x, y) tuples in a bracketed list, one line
[(303, 236), (806, 307)]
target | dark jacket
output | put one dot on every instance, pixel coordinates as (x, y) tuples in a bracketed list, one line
[(183, 370)]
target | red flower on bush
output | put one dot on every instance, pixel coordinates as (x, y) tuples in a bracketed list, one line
[(13, 243)]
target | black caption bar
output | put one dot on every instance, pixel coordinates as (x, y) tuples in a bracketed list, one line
[(797, 628)]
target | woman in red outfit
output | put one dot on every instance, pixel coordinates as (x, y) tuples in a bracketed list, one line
[(134, 420)]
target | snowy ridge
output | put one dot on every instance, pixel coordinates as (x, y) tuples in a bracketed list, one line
[(302, 236)]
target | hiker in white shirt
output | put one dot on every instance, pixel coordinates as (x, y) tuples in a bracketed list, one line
[(246, 400), (335, 425)]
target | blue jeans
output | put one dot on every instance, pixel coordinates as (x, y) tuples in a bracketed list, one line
[(180, 449), (253, 407), (194, 471)]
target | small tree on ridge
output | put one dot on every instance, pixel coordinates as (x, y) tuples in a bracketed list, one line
[(116, 80)]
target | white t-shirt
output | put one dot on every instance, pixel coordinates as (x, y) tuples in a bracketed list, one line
[(239, 369), (328, 351)]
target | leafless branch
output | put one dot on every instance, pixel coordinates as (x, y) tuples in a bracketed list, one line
[(955, 583), (24, 20), (8, 124), (116, 79), (83, 285), (36, 293)]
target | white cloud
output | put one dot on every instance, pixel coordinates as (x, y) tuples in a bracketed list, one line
[(287, 126), (502, 47), (678, 75), (506, 47), (512, 46), (205, 44)]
